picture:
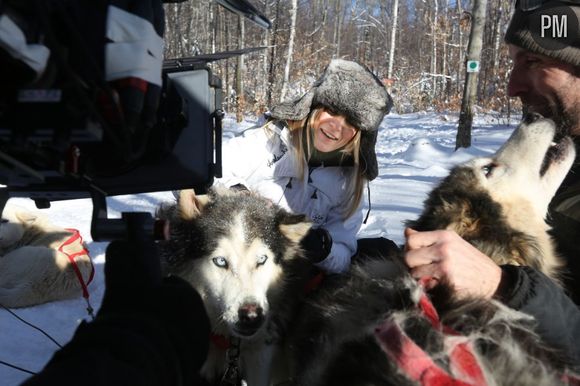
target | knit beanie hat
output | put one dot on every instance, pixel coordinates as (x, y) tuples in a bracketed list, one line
[(548, 27), (352, 90)]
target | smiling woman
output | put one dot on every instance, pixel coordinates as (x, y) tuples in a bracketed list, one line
[(331, 132), (314, 156)]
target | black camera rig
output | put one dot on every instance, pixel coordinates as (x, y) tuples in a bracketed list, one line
[(86, 110)]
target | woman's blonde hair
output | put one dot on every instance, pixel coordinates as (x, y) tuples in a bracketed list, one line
[(303, 149)]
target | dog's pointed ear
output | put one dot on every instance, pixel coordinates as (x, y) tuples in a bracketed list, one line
[(294, 226), (27, 218), (190, 205)]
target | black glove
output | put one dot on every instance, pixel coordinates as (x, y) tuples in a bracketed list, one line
[(316, 244)]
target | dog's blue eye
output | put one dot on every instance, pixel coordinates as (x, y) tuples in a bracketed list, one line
[(220, 261), (262, 259)]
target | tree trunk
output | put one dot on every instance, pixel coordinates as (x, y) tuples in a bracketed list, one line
[(434, 79), (265, 55), (337, 29), (293, 12), (227, 87), (393, 39), (273, 54), (239, 74), (470, 91), (323, 37), (497, 40), (461, 61), (215, 26)]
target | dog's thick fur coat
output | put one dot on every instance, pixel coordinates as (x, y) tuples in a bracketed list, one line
[(499, 205), (32, 269), (241, 253)]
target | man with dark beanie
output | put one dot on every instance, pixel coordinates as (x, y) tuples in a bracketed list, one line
[(544, 44), (546, 78)]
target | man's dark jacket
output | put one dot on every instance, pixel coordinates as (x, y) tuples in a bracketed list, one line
[(558, 318), (529, 291), (564, 216)]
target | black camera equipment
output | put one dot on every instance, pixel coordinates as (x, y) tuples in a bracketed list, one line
[(88, 107)]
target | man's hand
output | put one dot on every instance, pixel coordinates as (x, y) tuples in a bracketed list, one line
[(433, 256)]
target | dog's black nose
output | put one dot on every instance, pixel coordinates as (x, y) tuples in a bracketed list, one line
[(251, 316), (531, 118)]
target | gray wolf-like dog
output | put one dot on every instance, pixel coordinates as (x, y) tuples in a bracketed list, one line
[(498, 204), (34, 261), (241, 253)]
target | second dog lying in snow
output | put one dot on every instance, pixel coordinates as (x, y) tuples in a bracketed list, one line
[(39, 261)]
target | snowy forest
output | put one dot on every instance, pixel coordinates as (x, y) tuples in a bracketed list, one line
[(417, 47)]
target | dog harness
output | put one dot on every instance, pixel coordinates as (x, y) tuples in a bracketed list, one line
[(417, 365), (73, 247), (232, 374)]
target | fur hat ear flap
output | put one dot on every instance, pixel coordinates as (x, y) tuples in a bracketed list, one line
[(368, 156), (190, 205), (294, 226), (293, 110)]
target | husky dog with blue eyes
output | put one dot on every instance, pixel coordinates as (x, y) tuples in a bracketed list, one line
[(242, 254)]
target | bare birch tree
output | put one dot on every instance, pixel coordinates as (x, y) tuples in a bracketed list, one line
[(293, 12), (265, 43), (433, 67), (337, 29), (273, 55), (470, 91), (239, 74), (393, 39)]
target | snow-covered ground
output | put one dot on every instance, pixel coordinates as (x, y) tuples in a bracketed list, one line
[(414, 151)]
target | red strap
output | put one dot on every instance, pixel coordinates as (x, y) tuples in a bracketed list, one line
[(463, 363), (418, 365), (313, 283), (431, 314), (429, 311), (220, 341), (415, 363), (76, 237)]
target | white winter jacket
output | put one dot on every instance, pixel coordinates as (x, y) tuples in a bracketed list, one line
[(264, 163)]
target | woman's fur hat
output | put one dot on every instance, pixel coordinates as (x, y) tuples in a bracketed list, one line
[(350, 89)]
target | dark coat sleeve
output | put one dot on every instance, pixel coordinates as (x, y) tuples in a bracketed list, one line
[(117, 351), (564, 217), (149, 331), (565, 232), (558, 317), (155, 338)]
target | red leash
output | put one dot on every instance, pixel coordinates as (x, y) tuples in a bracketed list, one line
[(418, 366), (77, 238)]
